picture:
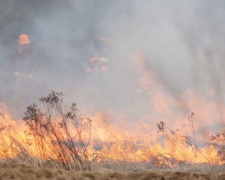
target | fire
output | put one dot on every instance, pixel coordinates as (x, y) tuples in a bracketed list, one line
[(118, 139), (111, 142), (170, 151)]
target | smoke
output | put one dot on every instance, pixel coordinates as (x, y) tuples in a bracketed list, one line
[(180, 42)]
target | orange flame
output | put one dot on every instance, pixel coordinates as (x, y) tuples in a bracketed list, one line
[(111, 142), (132, 142)]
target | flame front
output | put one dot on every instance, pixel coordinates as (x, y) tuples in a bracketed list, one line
[(111, 142), (115, 137)]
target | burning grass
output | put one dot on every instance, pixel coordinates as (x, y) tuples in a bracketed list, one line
[(58, 136)]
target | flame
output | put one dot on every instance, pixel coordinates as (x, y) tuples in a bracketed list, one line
[(118, 139), (111, 141), (136, 146)]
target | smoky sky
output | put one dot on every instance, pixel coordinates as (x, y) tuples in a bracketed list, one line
[(182, 41)]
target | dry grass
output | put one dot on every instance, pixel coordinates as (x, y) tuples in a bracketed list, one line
[(18, 171), (59, 137)]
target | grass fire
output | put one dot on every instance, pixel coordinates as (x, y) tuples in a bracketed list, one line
[(58, 136), (112, 89)]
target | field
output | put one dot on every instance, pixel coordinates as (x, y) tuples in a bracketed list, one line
[(19, 171)]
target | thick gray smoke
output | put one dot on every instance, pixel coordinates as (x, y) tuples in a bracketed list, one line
[(182, 43)]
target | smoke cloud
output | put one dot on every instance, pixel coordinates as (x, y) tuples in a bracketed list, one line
[(159, 58)]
